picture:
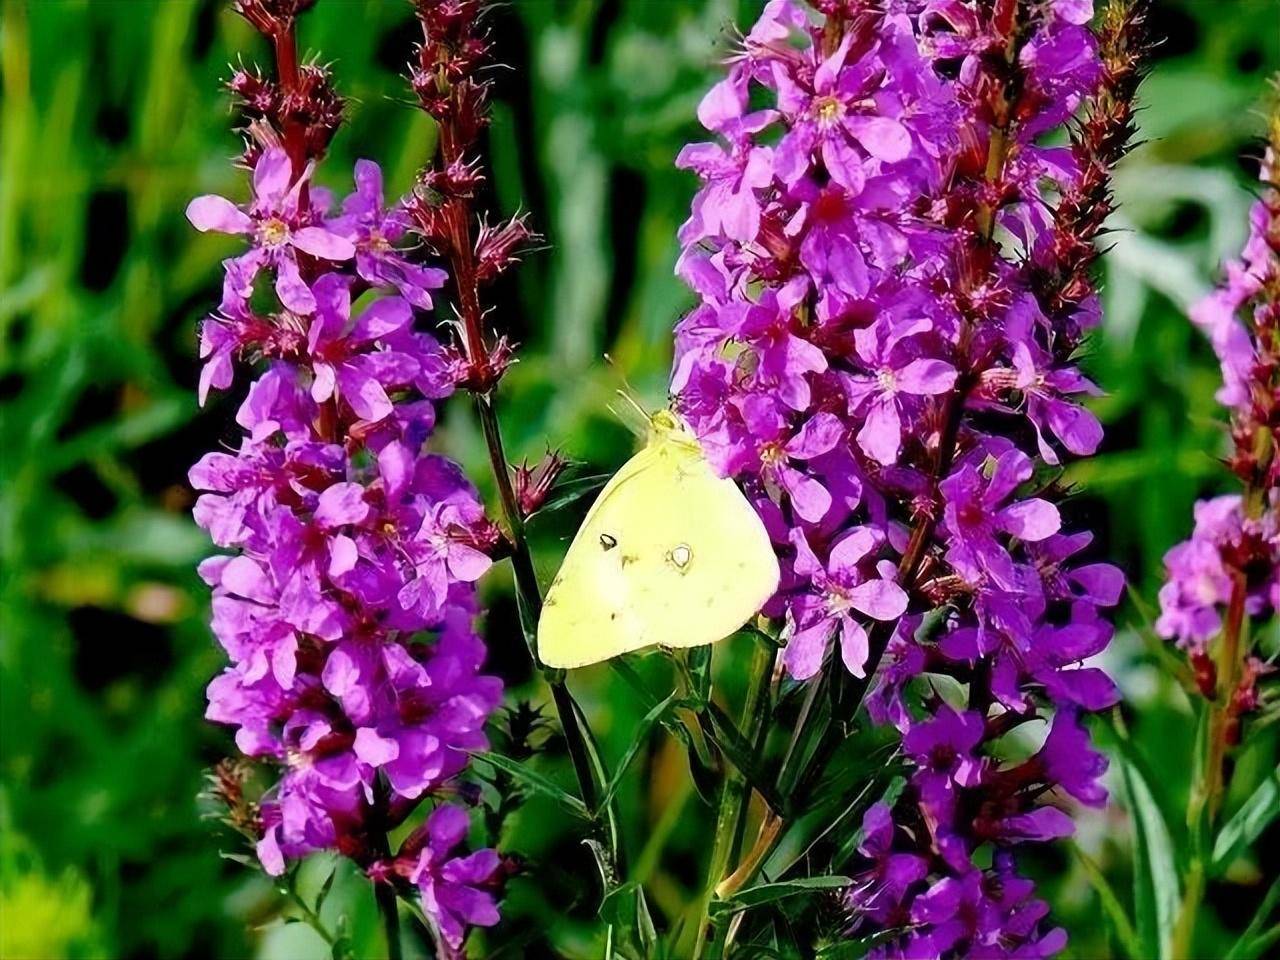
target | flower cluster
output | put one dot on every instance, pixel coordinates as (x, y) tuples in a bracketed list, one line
[(345, 596), (1230, 567), (892, 295)]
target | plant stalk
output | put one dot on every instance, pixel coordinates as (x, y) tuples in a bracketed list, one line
[(385, 894), (733, 795), (591, 782), (1206, 796), (462, 261)]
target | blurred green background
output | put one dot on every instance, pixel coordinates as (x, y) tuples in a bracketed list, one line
[(112, 118)]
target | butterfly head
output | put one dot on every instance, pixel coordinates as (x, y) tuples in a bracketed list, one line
[(666, 426)]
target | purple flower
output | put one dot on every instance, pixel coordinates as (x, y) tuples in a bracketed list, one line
[(278, 226), (843, 590), (456, 891), (1044, 385), (893, 374), (350, 359), (727, 204), (771, 327), (780, 454), (879, 892), (1069, 760), (977, 513), (943, 751), (440, 557), (375, 231), (977, 915), (307, 814), (837, 116)]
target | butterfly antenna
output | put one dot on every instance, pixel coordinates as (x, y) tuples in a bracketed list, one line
[(625, 416), (635, 404), (629, 392), (629, 395)]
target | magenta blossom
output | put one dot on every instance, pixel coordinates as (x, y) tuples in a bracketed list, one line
[(894, 374), (455, 891), (279, 228), (375, 230), (843, 590)]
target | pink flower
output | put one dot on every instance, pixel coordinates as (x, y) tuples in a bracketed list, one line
[(278, 226)]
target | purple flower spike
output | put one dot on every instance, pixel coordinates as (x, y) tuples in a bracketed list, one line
[(895, 387), (345, 594), (1223, 586)]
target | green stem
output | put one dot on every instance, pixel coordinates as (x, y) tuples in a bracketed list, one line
[(733, 797), (587, 766), (312, 919), (1184, 927), (527, 588), (385, 894), (1206, 795)]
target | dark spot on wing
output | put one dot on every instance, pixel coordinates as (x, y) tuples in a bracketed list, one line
[(629, 558), (608, 541)]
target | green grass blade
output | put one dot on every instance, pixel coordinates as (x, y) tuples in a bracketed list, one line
[(1248, 823), (1121, 925), (1155, 875), (536, 782)]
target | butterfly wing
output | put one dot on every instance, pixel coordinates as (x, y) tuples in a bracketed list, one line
[(669, 554)]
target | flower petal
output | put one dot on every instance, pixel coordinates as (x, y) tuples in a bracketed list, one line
[(212, 212)]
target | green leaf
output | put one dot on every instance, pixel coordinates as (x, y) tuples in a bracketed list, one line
[(771, 892), (638, 740), (626, 908), (856, 948), (720, 729), (1155, 877), (567, 491), (853, 838), (1126, 936), (536, 782), (645, 928), (1247, 824), (698, 662)]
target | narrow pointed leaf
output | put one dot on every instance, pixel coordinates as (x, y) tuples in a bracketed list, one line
[(1155, 872), (1249, 946), (1248, 823), (1121, 925), (638, 740), (724, 733), (772, 892), (535, 782)]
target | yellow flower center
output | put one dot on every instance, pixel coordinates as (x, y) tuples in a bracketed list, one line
[(772, 454), (828, 110), (273, 232)]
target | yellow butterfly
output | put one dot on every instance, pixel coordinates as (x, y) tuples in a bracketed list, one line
[(669, 554)]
